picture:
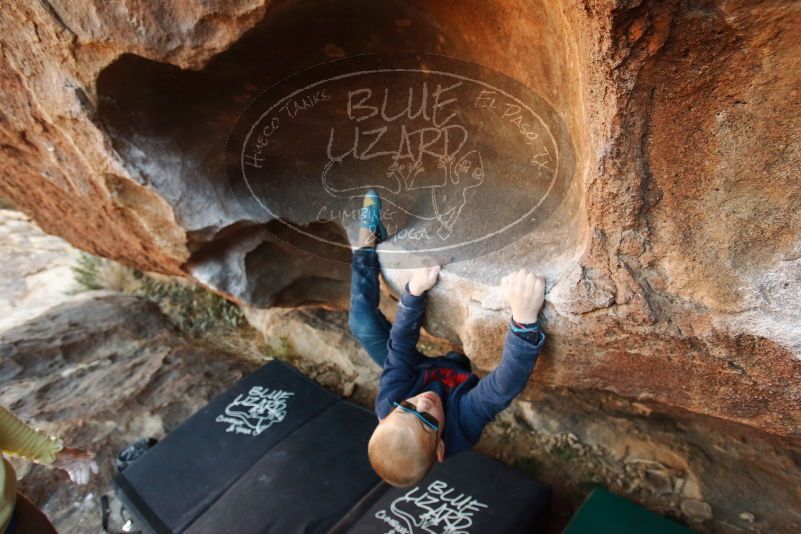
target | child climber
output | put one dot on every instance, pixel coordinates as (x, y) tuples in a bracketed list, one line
[(432, 408)]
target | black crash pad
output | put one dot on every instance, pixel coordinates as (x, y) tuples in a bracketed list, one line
[(305, 484), (469, 493), (174, 482)]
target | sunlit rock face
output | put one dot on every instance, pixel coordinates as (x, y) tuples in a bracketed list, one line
[(672, 254)]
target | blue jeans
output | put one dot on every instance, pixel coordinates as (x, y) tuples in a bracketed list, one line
[(367, 324)]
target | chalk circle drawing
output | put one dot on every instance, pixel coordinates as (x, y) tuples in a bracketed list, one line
[(465, 159), (436, 509), (253, 413)]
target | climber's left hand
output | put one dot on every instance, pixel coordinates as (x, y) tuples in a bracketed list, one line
[(77, 463), (423, 279)]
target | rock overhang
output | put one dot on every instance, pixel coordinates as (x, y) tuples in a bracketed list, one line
[(169, 126), (681, 122)]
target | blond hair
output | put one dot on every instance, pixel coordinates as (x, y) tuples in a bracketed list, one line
[(400, 454)]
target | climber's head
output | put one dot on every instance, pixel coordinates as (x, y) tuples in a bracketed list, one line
[(408, 441)]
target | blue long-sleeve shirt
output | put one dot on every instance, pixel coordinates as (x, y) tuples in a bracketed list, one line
[(469, 404)]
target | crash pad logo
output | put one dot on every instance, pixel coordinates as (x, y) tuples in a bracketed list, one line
[(438, 509), (465, 159), (255, 412)]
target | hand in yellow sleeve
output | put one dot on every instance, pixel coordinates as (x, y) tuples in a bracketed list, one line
[(21, 440)]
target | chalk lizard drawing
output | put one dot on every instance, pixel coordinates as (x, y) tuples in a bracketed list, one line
[(255, 412), (436, 510), (448, 177)]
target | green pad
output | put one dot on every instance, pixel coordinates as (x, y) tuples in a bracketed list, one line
[(606, 513)]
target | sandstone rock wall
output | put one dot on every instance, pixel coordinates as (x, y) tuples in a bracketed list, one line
[(673, 265), (102, 369)]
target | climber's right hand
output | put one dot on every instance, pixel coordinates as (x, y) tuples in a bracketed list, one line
[(525, 293)]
